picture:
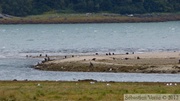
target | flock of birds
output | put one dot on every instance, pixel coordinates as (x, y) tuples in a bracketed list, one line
[(47, 58)]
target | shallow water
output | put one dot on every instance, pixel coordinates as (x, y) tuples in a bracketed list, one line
[(19, 69), (17, 41)]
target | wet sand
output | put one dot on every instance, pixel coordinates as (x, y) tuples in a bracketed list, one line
[(150, 62)]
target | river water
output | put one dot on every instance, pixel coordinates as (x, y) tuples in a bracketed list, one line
[(17, 41)]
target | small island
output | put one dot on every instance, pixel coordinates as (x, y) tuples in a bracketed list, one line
[(152, 62)]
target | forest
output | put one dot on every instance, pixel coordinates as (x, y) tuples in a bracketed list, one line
[(35, 7)]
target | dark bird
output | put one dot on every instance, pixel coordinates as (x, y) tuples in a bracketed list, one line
[(94, 59), (126, 58)]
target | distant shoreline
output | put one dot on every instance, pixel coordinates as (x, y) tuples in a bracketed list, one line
[(91, 18)]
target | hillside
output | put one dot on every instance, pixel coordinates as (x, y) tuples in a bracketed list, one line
[(36, 7)]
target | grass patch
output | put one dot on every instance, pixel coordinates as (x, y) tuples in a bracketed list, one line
[(78, 91)]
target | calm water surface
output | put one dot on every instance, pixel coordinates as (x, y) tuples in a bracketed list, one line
[(16, 41)]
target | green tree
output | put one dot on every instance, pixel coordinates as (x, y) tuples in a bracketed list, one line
[(41, 6), (0, 10), (106, 5), (80, 6), (17, 7), (90, 6), (155, 5)]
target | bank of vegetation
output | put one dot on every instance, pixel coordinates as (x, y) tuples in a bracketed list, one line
[(92, 18)]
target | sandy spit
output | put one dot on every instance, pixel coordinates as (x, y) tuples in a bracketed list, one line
[(150, 62)]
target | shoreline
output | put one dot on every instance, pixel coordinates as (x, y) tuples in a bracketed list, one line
[(93, 18), (151, 62)]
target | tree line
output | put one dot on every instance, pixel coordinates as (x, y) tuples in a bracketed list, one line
[(32, 7)]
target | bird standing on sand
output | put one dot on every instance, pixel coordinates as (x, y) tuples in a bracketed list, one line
[(94, 59), (48, 58), (91, 64)]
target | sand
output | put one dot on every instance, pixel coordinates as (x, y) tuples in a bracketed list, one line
[(150, 62)]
